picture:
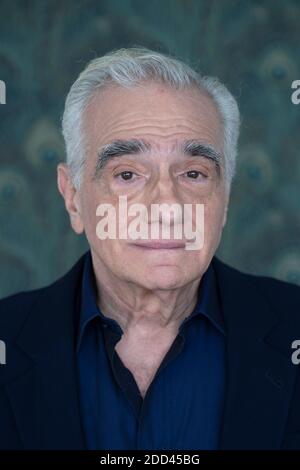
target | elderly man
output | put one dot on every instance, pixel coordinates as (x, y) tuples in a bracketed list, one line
[(150, 342)]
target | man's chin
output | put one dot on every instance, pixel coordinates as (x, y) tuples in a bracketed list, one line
[(163, 277)]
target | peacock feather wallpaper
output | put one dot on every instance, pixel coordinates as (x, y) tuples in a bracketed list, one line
[(251, 46)]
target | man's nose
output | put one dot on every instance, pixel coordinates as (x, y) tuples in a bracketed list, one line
[(164, 190), (165, 203)]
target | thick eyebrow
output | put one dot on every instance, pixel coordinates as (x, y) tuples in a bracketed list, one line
[(200, 149), (120, 147)]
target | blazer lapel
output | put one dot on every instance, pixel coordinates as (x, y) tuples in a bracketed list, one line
[(260, 373), (43, 391)]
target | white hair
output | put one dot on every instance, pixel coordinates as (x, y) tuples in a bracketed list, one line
[(130, 67)]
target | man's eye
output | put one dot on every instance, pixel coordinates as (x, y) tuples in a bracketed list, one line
[(126, 175), (194, 174)]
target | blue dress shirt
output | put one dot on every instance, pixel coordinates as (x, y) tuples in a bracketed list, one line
[(183, 406)]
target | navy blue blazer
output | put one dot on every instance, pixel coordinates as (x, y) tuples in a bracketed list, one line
[(39, 403)]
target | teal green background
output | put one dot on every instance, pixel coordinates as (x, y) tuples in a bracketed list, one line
[(252, 46)]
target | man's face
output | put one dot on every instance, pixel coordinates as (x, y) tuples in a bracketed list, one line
[(164, 120)]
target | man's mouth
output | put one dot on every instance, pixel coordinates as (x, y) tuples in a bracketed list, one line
[(159, 244)]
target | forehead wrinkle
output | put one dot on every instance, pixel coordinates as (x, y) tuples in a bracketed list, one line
[(157, 122), (157, 127), (164, 134), (140, 105), (117, 118)]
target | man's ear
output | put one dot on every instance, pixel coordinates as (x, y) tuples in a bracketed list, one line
[(225, 217), (71, 197), (226, 209)]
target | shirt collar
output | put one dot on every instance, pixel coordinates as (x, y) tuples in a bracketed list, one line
[(208, 303), (88, 307)]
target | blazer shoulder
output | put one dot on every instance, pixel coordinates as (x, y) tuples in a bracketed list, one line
[(15, 308), (281, 294), (261, 279)]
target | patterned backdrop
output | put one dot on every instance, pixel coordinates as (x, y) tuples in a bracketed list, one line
[(253, 46)]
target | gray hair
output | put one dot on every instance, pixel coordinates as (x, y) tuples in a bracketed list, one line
[(127, 68)]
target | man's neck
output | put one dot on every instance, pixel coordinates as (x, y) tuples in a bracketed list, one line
[(135, 307)]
